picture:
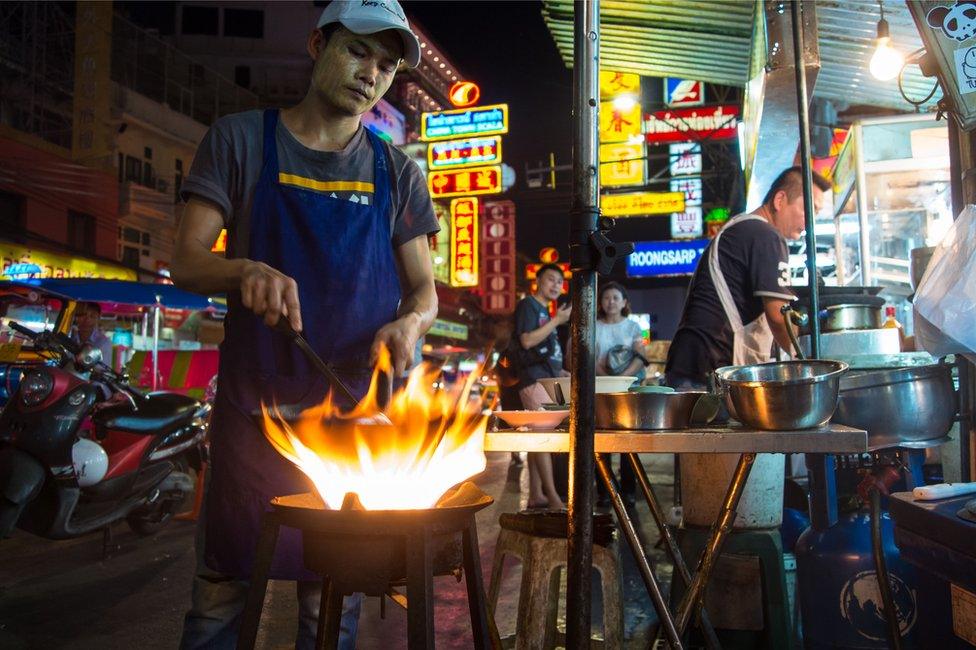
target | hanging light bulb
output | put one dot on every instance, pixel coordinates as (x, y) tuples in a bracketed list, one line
[(886, 62)]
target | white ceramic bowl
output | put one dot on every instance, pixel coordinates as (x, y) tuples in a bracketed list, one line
[(532, 419), (604, 384)]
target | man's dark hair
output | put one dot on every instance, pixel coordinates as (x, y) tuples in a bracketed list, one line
[(791, 182), (625, 312), (549, 267), (89, 306), (327, 32)]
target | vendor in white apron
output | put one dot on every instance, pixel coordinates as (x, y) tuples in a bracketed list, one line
[(732, 317)]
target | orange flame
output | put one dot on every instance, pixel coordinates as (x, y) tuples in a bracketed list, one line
[(428, 441)]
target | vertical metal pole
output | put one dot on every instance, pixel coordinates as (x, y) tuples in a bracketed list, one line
[(861, 188), (157, 312), (583, 222), (803, 111)]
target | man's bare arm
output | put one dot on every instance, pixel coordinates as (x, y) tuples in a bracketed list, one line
[(418, 308), (264, 290), (537, 336), (778, 325)]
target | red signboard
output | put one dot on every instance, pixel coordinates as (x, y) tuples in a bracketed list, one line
[(684, 124), (498, 258), (464, 242), (462, 182)]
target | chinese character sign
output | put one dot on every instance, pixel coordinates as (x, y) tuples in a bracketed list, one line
[(464, 242), (688, 223), (686, 158), (619, 125), (465, 182), (622, 164), (91, 135), (464, 153), (613, 84), (498, 258)]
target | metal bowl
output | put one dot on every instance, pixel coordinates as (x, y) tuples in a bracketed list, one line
[(898, 407), (652, 411), (782, 396)]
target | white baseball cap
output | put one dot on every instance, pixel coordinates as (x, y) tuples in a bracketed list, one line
[(372, 16)]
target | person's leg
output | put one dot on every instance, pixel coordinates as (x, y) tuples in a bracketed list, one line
[(544, 466), (537, 498), (533, 397), (309, 601), (216, 602)]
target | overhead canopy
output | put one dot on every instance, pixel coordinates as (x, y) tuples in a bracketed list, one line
[(119, 292), (710, 41)]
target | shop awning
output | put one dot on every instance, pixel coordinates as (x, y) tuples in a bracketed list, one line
[(711, 41), (120, 292)]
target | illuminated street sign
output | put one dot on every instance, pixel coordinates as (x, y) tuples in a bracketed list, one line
[(639, 204), (686, 158), (464, 94), (683, 124), (619, 125), (497, 267), (481, 120), (662, 258), (465, 182), (464, 153), (464, 242), (689, 223), (613, 84), (622, 164), (683, 92)]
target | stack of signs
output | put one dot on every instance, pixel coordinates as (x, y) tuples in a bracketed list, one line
[(686, 168), (464, 158), (498, 258), (622, 151)]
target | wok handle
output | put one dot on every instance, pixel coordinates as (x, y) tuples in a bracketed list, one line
[(284, 327)]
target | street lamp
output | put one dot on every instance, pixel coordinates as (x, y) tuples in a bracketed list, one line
[(886, 62)]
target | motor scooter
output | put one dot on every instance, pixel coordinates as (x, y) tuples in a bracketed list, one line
[(73, 462)]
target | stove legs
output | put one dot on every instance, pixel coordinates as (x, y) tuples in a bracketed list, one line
[(330, 617), (420, 590), (482, 626)]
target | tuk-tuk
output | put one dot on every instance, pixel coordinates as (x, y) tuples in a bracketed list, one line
[(142, 311)]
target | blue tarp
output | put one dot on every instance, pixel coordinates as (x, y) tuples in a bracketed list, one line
[(120, 292)]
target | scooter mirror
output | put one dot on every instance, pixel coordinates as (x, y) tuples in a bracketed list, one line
[(89, 357)]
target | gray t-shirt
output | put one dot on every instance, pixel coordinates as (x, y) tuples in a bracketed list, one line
[(228, 163)]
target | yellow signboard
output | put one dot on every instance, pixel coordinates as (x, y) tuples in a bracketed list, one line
[(639, 204), (613, 84), (622, 164), (619, 125), (22, 263), (464, 242)]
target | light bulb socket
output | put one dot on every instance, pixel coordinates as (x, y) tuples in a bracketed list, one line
[(883, 29)]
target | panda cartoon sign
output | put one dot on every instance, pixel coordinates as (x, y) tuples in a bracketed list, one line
[(958, 22)]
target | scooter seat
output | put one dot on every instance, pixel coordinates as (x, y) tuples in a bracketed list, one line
[(160, 412)]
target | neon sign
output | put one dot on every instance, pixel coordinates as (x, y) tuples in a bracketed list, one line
[(464, 182), (464, 94), (464, 242), (447, 125), (464, 153)]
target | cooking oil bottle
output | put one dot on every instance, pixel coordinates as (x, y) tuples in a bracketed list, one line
[(892, 322)]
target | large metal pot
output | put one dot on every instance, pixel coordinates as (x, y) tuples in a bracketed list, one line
[(841, 313), (898, 407), (782, 396)]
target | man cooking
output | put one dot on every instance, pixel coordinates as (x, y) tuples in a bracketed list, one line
[(327, 231), (732, 312)]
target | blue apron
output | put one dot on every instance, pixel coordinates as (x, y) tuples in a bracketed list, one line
[(340, 254)]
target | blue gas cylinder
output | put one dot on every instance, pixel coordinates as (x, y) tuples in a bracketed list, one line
[(840, 602)]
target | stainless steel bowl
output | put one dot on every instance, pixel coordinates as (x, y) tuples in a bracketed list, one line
[(782, 396), (651, 411), (898, 407)]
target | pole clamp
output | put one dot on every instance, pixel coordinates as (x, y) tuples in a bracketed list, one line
[(593, 250)]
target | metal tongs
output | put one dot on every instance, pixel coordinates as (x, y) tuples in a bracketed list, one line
[(385, 388)]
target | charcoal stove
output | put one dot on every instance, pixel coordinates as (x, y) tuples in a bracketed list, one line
[(375, 551)]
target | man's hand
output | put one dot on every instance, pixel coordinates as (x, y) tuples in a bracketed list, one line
[(400, 338), (270, 293), (563, 312)]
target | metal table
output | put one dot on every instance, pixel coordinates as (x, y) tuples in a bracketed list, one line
[(819, 445)]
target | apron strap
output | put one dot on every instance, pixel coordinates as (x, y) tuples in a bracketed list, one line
[(381, 178), (718, 278)]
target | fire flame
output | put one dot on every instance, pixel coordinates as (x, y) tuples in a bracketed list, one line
[(429, 441)]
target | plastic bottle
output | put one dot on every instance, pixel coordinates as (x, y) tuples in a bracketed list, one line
[(892, 322)]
